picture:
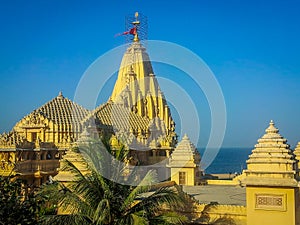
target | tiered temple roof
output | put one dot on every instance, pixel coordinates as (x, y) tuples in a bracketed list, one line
[(57, 121), (297, 154), (297, 150), (116, 119), (61, 110), (185, 154), (271, 162), (119, 117)]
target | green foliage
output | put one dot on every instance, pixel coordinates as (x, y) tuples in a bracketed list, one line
[(17, 207), (101, 197)]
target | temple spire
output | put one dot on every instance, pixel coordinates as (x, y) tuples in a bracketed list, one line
[(137, 88)]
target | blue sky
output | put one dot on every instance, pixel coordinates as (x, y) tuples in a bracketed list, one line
[(251, 46)]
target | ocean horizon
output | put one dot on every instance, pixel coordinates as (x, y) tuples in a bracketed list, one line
[(228, 160)]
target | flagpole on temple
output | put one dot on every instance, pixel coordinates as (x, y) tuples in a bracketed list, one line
[(135, 24)]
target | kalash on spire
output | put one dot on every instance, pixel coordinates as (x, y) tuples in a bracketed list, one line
[(137, 89)]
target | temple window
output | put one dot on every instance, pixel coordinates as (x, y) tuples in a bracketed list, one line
[(182, 176), (49, 156), (162, 153), (33, 136)]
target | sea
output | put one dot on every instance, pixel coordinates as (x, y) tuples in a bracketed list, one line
[(228, 160)]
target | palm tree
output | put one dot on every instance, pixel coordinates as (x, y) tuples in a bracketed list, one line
[(105, 196)]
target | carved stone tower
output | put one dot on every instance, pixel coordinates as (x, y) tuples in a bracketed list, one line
[(271, 186), (137, 88)]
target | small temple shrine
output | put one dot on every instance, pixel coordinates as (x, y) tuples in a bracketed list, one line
[(272, 187), (185, 163)]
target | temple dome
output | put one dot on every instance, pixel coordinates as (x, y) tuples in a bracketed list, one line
[(61, 111), (58, 121), (113, 117)]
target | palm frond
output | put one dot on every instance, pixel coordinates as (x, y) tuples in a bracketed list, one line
[(102, 214), (143, 187), (169, 218), (65, 219), (99, 196), (224, 220), (164, 197)]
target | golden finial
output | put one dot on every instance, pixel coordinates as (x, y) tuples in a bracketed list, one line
[(272, 128), (136, 23), (60, 95)]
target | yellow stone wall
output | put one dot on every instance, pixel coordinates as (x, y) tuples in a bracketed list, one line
[(272, 167), (7, 161), (223, 182), (190, 175), (46, 131), (272, 205), (237, 213)]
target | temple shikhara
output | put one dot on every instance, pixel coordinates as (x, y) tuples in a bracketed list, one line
[(138, 117)]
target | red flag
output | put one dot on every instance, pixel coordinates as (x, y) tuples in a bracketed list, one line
[(132, 31)]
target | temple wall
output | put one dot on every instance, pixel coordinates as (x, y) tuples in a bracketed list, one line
[(7, 161), (272, 205), (223, 182), (62, 136), (237, 213), (189, 175)]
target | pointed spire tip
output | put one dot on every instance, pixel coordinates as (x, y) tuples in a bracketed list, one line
[(60, 95)]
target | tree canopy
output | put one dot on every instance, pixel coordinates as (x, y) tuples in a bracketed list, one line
[(101, 197), (16, 205)]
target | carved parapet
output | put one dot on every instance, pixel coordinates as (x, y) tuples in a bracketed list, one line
[(10, 140)]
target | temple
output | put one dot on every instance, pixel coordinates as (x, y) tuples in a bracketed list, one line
[(137, 103), (138, 117), (272, 181), (185, 163)]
